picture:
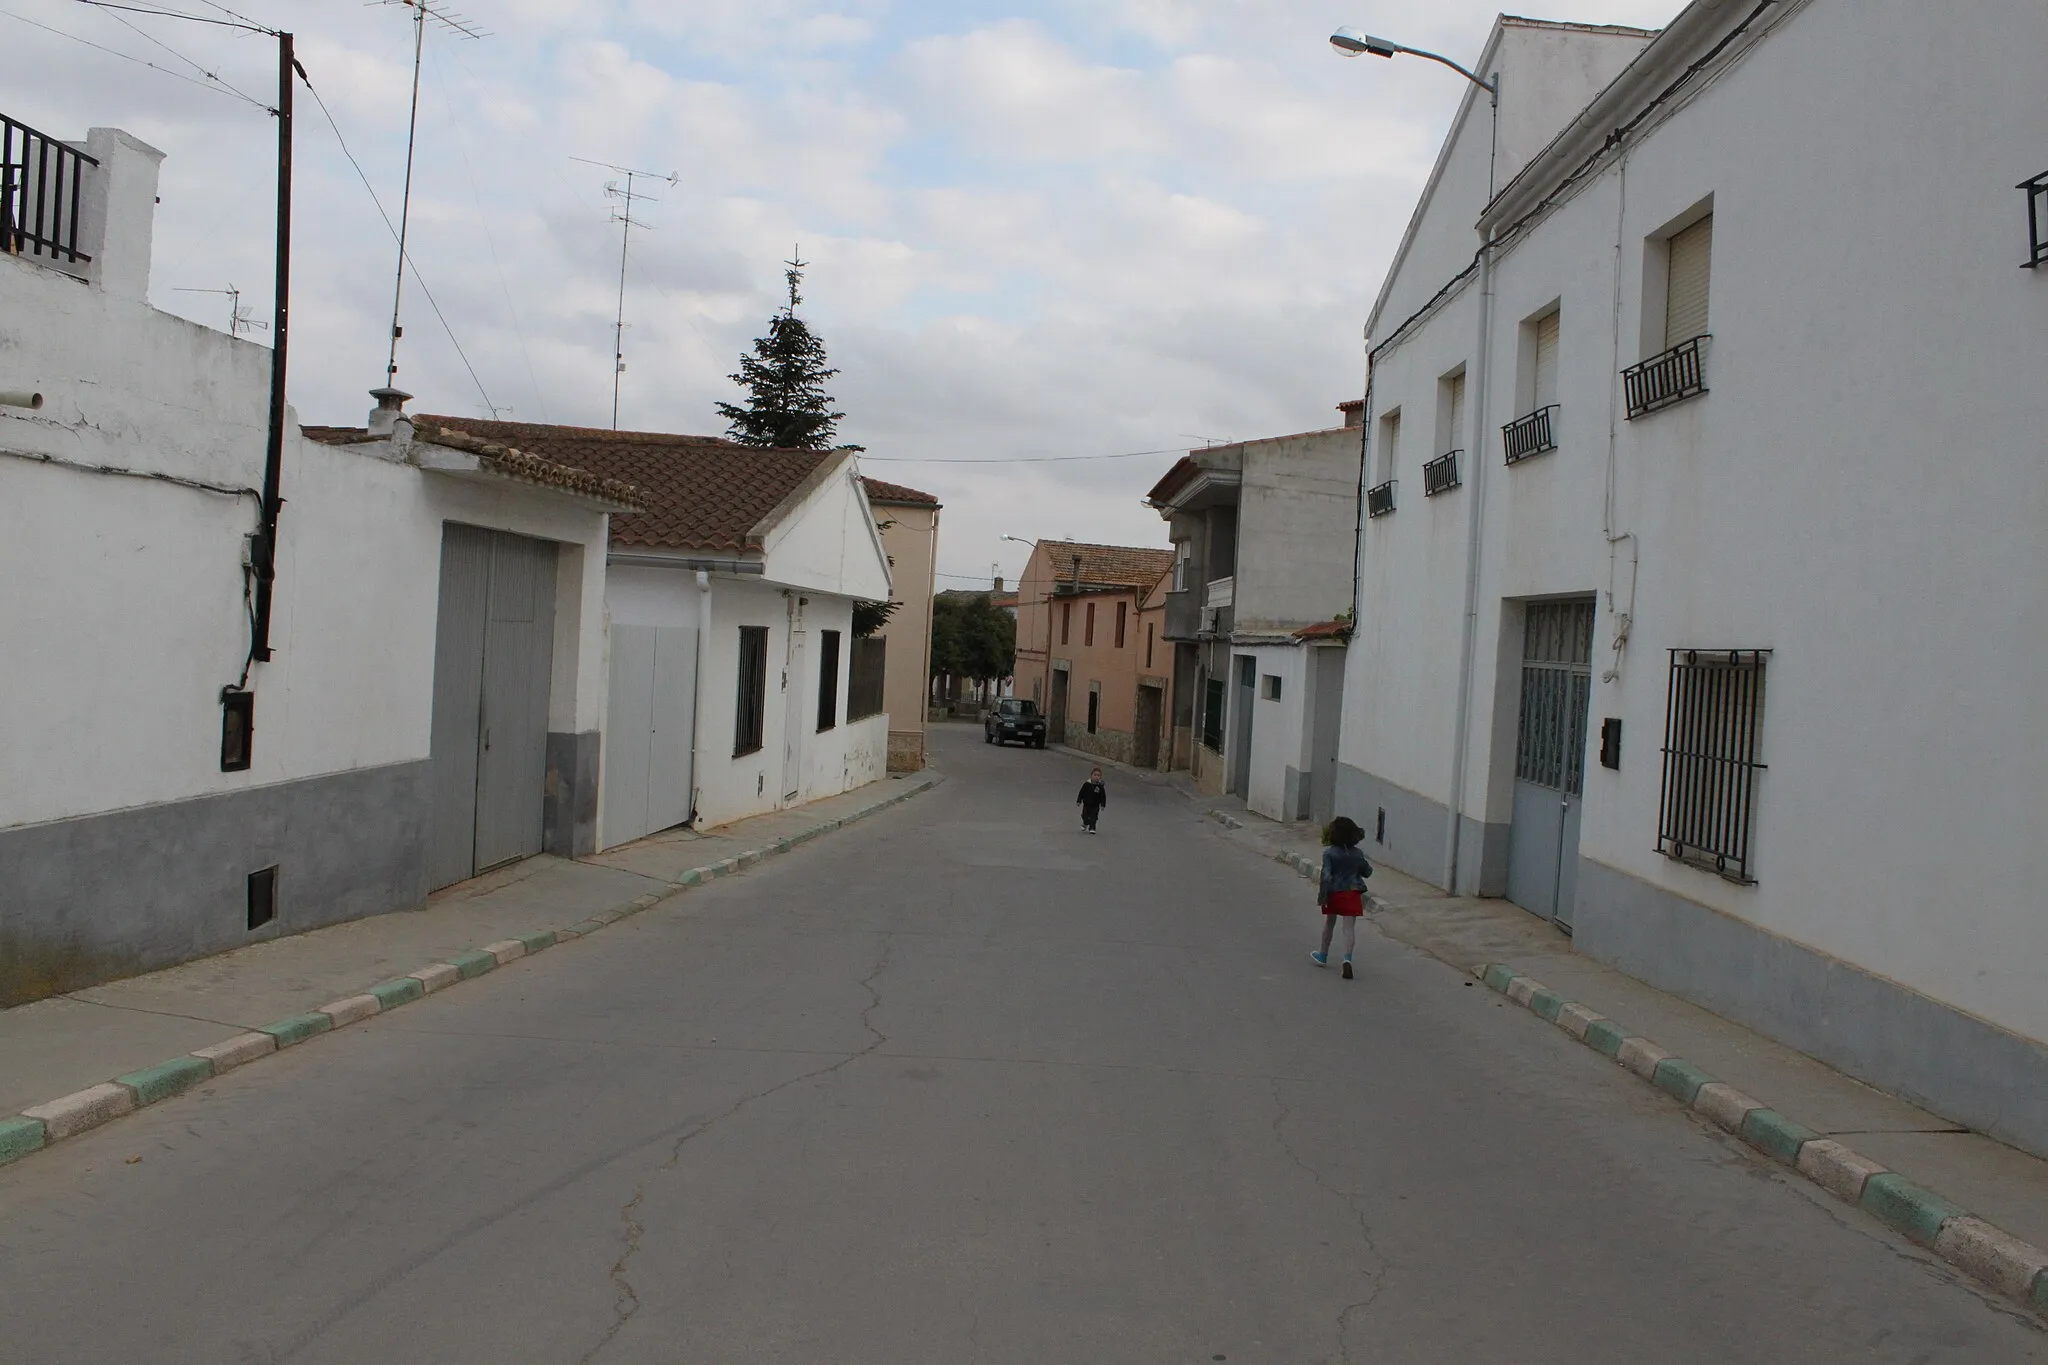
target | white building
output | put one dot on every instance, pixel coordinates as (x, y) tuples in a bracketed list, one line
[(1263, 534), (1735, 679), (140, 824), (737, 685)]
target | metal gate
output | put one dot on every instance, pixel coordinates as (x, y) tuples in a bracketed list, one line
[(648, 730), (1550, 757), (493, 653)]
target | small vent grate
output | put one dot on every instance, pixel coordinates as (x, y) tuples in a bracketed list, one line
[(262, 896)]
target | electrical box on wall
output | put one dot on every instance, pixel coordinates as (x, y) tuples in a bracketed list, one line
[(237, 729), (1610, 742)]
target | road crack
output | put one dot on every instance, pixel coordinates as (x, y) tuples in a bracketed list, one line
[(1378, 1283)]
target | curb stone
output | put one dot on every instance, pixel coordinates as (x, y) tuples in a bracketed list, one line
[(1987, 1254), (41, 1125)]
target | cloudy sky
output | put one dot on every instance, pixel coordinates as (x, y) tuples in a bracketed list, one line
[(1052, 229)]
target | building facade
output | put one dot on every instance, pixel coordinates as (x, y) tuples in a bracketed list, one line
[(909, 521), (1676, 621), (1079, 644)]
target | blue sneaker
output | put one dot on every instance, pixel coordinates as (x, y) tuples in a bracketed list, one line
[(1320, 959)]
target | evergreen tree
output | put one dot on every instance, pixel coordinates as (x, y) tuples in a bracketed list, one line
[(787, 405)]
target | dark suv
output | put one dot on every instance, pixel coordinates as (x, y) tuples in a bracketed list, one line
[(1014, 718)]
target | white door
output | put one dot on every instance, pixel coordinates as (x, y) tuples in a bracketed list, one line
[(795, 693), (648, 730)]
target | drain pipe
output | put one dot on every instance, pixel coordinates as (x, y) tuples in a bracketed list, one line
[(1481, 361), (697, 684)]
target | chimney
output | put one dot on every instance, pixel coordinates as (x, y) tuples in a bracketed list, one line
[(117, 211), (1354, 412), (999, 585), (390, 407), (1077, 573)]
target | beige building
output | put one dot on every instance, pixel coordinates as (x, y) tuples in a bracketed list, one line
[(909, 522), (1080, 645)]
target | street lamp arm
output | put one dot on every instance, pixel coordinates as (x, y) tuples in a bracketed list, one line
[(1487, 86), (1352, 43)]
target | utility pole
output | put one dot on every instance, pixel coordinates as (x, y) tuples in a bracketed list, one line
[(623, 216), (264, 552)]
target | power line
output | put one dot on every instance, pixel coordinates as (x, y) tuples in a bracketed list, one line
[(418, 279), (217, 88), (1017, 459), (114, 13), (180, 14)]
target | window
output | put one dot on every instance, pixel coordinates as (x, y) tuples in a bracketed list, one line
[(1383, 464), (1094, 705), (828, 680), (1088, 629), (1066, 621), (1122, 609), (1712, 724), (1212, 716), (753, 690), (865, 678), (1183, 556), (1269, 687), (1450, 412), (1247, 670), (1688, 272), (1148, 645)]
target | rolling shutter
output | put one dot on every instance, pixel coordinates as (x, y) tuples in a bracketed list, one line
[(1545, 389), (1685, 293)]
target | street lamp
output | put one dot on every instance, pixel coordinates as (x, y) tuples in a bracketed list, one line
[(1351, 43)]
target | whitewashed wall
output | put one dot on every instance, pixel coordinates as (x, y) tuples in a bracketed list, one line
[(1279, 739)]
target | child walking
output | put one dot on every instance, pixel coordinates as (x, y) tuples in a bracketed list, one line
[(1341, 892), (1094, 796)]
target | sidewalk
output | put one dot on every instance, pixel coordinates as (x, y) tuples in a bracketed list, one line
[(1997, 1184), (72, 1044)]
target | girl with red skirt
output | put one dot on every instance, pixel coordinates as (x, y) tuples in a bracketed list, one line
[(1340, 893)]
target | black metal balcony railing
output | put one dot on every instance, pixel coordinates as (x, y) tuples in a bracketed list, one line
[(41, 183), (1665, 379), (1531, 435), (1379, 500), (1441, 474), (2036, 191)]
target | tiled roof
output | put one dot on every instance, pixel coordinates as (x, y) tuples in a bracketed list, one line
[(1106, 565), (701, 492), (1325, 630), (879, 491), (500, 458)]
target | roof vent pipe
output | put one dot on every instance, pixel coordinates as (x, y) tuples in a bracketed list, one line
[(390, 407)]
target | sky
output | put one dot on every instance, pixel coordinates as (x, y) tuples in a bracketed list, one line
[(1035, 231)]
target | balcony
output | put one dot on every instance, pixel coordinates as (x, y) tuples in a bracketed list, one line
[(42, 185), (1220, 593), (2036, 191), (1678, 374), (1535, 434), (1441, 474), (1379, 500)]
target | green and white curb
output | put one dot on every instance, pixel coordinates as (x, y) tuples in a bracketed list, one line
[(41, 1125), (1992, 1257)]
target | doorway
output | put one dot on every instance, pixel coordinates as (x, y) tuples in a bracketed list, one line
[(648, 730), (1056, 716), (1145, 745), (1241, 726), (493, 654), (794, 693), (1550, 758), (1328, 671)]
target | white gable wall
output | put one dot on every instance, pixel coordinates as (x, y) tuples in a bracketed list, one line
[(829, 542)]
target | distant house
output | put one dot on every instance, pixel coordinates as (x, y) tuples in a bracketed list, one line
[(736, 683), (1078, 645), (909, 522)]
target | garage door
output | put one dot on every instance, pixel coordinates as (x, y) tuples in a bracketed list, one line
[(493, 652), (647, 730)]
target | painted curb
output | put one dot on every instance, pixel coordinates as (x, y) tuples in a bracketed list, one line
[(38, 1126), (1981, 1250)]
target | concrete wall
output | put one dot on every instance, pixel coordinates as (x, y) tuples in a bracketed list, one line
[(1297, 511), (911, 538), (1279, 758), (1863, 468)]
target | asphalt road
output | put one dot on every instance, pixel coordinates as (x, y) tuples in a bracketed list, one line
[(958, 1084)]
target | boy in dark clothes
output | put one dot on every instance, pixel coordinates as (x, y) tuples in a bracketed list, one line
[(1094, 796)]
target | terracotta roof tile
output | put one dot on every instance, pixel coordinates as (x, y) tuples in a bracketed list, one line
[(1107, 565), (1325, 630), (879, 491), (701, 492)]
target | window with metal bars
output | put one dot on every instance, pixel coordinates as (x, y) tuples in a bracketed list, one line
[(1713, 724), (752, 709), (1550, 734)]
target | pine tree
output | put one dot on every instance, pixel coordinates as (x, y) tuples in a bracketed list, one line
[(787, 405)]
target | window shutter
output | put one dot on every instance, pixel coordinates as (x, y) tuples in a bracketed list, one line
[(1685, 291), (1546, 361), (1454, 439)]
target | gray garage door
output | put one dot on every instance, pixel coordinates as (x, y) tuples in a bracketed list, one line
[(493, 652)]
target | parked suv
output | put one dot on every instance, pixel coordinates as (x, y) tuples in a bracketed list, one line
[(1014, 718)]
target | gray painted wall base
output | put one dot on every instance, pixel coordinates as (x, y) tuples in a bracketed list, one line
[(569, 804), (106, 896), (1415, 834), (1876, 1030)]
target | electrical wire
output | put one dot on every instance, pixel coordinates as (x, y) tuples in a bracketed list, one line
[(180, 14), (388, 227), (217, 88), (1017, 459), (113, 12)]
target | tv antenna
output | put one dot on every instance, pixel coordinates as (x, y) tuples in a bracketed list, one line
[(461, 28), (623, 216), (239, 320)]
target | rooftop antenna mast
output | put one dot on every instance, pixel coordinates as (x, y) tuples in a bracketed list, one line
[(461, 28), (623, 216), (239, 320)]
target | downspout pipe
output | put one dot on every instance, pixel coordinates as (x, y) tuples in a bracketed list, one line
[(697, 686), (1481, 362), (265, 549)]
